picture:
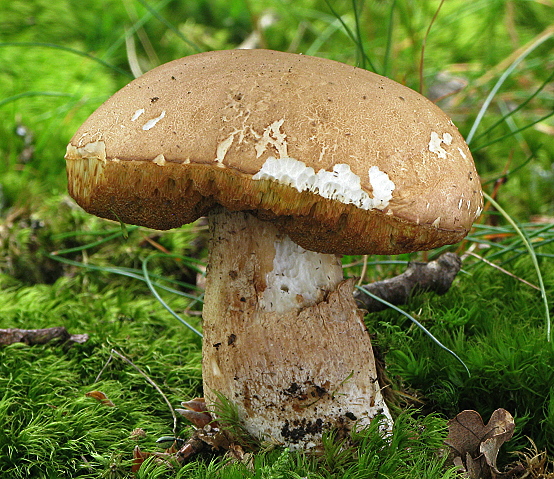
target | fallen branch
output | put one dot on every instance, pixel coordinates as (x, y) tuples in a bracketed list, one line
[(436, 276), (39, 336)]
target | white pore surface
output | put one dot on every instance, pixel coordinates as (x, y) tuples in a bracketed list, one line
[(341, 184), (299, 278)]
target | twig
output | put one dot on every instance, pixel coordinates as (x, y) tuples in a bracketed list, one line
[(436, 276), (500, 268), (145, 376), (39, 336), (422, 58), (364, 270)]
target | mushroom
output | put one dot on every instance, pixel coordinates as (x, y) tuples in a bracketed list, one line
[(295, 160)]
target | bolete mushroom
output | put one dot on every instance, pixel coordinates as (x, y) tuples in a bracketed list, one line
[(295, 160)]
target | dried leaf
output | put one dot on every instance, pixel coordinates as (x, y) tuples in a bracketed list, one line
[(137, 433), (214, 437), (196, 404), (193, 446), (208, 436), (476, 468), (196, 412), (199, 419), (100, 396), (504, 426), (166, 458), (475, 445), (138, 458)]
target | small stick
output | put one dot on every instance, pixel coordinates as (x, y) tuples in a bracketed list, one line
[(143, 374), (500, 268), (38, 336), (364, 270), (436, 276)]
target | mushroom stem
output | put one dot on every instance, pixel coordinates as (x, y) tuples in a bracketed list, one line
[(283, 338)]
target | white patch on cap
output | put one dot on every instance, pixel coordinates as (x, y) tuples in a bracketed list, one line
[(273, 136), (159, 160), (137, 114), (95, 149), (436, 141), (223, 148), (382, 187), (341, 184), (152, 123), (464, 156)]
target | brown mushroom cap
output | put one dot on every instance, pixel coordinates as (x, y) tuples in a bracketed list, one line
[(339, 158)]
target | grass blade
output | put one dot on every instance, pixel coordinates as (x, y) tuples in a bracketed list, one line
[(422, 59), (93, 244), (499, 84), (388, 48), (519, 107), (26, 94), (357, 8), (70, 50), (171, 27), (531, 250), (128, 272), (159, 298), (512, 133), (417, 323), (364, 59)]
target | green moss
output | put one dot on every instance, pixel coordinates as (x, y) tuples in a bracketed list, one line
[(50, 425), (495, 323)]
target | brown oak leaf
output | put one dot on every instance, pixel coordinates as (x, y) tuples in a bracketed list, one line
[(474, 445)]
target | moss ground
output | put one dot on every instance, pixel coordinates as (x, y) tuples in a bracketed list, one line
[(489, 64)]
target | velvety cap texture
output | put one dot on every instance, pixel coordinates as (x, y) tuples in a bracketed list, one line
[(339, 158)]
